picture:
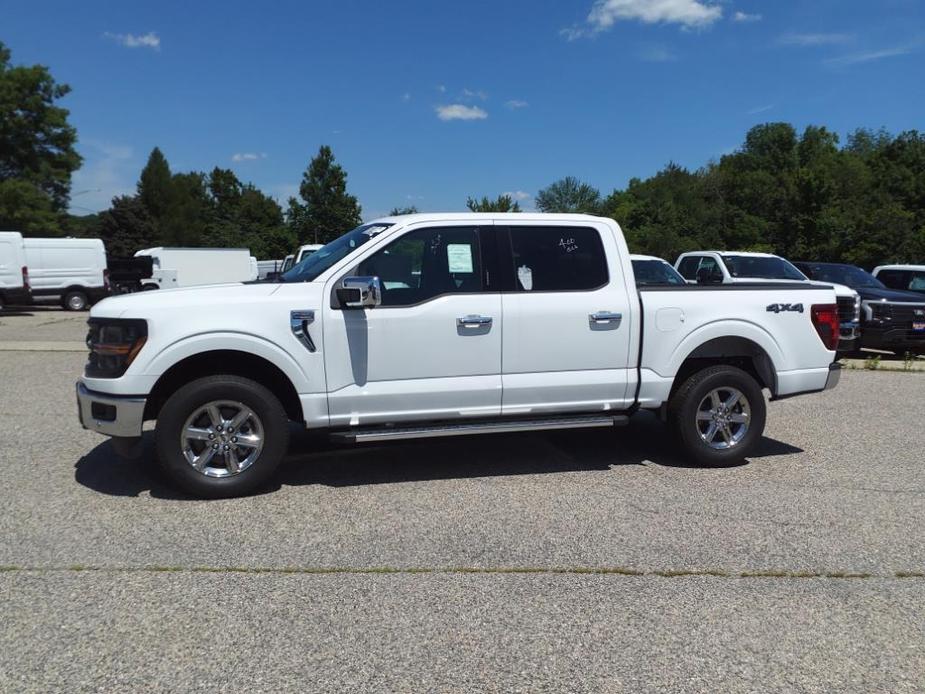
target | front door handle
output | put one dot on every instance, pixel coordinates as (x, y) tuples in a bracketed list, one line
[(605, 317), (473, 321)]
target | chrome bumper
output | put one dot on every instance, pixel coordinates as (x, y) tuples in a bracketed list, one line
[(113, 415), (834, 376)]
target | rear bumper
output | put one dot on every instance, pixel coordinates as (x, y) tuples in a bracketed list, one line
[(112, 415), (834, 376), (849, 335)]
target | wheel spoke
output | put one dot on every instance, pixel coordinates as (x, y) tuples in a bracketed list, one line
[(727, 434), (704, 416), (715, 401), (738, 418), (231, 460), (215, 416), (198, 434), (204, 458), (242, 416), (710, 433), (248, 440), (733, 399)]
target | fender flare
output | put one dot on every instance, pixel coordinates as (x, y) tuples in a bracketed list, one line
[(725, 329)]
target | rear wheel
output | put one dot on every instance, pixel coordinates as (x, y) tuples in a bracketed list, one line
[(75, 301), (718, 415), (221, 436)]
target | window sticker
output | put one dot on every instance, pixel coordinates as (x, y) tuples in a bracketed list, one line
[(568, 244), (459, 257), (525, 277)]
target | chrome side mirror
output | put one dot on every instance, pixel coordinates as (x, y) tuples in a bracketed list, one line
[(359, 292)]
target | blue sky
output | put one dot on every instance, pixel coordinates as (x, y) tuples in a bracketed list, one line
[(425, 103)]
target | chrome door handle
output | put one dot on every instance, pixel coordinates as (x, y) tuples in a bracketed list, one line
[(298, 323), (605, 317), (473, 321)]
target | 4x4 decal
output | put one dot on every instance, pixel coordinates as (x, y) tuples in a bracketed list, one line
[(778, 308)]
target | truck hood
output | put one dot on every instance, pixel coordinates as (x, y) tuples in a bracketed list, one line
[(142, 304), (874, 294)]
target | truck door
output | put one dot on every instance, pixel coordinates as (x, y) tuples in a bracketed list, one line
[(567, 319), (432, 349)]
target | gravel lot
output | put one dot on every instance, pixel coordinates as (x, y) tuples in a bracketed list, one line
[(579, 561)]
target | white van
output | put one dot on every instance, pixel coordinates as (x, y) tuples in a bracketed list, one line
[(190, 267), (14, 275), (71, 270)]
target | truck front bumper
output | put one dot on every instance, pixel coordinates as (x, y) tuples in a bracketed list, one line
[(113, 415)]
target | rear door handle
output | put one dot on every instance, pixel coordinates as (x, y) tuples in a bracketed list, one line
[(473, 321), (605, 317)]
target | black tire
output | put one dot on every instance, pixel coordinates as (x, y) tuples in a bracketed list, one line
[(686, 402), (75, 301), (185, 402)]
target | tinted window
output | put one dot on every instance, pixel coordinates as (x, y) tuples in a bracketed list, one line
[(426, 263), (762, 268), (313, 265), (688, 267), (655, 272), (849, 275), (550, 259), (894, 279)]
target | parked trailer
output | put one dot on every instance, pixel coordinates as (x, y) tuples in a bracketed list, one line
[(191, 267)]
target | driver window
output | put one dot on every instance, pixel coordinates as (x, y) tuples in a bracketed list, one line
[(427, 263)]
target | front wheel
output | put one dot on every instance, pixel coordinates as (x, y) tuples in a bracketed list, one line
[(718, 415), (221, 436), (75, 301)]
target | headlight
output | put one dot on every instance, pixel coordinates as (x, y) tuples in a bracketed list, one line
[(114, 344)]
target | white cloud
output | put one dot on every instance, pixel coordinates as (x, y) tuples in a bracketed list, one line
[(814, 39), (759, 109), (514, 104), (406, 97), (869, 56), (518, 195), (469, 95), (605, 13), (248, 156), (656, 54), (745, 17), (441, 88), (149, 40), (460, 112)]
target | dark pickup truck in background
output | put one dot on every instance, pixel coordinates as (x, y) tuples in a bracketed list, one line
[(891, 320)]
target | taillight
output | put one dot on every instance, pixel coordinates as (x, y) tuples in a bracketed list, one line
[(106, 278), (25, 277), (825, 320)]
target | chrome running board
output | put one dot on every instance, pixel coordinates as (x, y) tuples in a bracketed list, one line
[(393, 433)]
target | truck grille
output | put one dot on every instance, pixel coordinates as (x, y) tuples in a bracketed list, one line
[(908, 313), (846, 311)]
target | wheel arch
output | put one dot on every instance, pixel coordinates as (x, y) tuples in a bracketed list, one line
[(733, 350), (220, 362)]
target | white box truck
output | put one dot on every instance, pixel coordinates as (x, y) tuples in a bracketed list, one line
[(190, 267), (14, 274), (71, 270)]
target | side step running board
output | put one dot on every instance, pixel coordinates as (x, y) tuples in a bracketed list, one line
[(471, 428)]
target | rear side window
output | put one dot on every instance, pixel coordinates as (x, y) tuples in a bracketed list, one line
[(427, 263), (894, 279), (688, 267), (558, 259)]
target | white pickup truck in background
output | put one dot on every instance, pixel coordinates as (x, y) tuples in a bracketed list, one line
[(447, 324)]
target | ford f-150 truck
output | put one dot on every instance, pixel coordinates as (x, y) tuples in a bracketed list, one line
[(447, 324)]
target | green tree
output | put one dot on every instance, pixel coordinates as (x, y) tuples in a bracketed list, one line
[(503, 203), (155, 189), (127, 227), (37, 155), (329, 210), (398, 211), (569, 195)]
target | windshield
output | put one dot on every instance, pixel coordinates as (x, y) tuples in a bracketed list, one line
[(319, 261), (656, 272), (849, 275), (762, 267)]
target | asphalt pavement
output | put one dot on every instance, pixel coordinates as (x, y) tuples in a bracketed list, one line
[(563, 561)]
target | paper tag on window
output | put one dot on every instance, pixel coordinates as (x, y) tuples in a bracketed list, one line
[(525, 277), (459, 257)]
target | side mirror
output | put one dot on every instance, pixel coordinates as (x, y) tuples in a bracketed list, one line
[(359, 292)]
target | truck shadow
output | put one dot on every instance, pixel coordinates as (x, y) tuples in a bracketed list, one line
[(313, 460)]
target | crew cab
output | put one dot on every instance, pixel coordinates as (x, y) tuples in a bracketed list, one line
[(891, 319), (728, 267), (903, 277), (446, 324)]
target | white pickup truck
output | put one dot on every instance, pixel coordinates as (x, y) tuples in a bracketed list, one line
[(447, 324)]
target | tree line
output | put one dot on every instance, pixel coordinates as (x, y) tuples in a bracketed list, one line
[(804, 195)]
